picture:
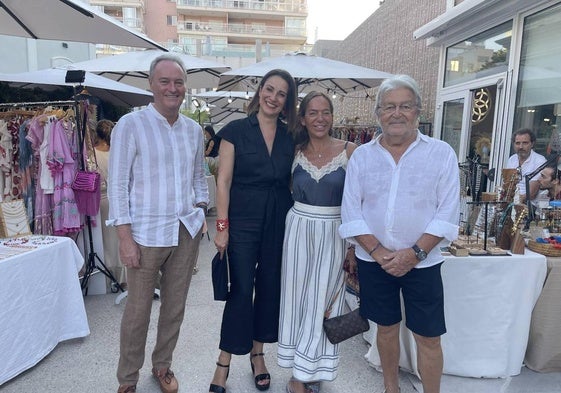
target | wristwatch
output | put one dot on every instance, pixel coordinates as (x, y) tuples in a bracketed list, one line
[(419, 253)]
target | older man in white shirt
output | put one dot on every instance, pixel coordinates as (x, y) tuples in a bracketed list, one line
[(158, 196), (400, 204)]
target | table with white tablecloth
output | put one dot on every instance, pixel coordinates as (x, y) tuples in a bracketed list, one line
[(488, 304), (41, 303)]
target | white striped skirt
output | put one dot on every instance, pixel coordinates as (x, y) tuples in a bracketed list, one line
[(312, 275)]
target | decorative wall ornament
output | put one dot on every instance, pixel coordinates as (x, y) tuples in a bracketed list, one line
[(481, 105)]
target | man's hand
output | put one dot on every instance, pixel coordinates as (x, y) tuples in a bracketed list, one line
[(400, 262), (129, 252)]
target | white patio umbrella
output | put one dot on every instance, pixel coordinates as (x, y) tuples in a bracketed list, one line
[(225, 106), (132, 68), (310, 72), (98, 86), (68, 20)]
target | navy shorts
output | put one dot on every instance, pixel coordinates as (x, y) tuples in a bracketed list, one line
[(423, 298)]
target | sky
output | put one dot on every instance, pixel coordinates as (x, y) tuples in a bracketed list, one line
[(335, 20)]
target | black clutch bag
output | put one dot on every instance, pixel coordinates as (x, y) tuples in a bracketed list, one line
[(220, 276)]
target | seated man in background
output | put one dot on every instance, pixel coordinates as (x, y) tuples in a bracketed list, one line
[(549, 181)]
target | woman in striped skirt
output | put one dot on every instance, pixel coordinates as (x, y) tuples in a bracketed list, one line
[(313, 253)]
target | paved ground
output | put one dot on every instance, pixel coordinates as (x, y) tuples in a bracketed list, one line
[(88, 365)]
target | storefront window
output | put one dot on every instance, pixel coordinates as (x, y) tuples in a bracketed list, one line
[(538, 104), (481, 55)]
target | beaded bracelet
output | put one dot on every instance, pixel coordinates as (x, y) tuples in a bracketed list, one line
[(222, 225)]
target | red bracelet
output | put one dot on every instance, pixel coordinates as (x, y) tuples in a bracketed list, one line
[(222, 225)]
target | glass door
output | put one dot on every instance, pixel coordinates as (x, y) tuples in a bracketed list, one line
[(452, 115)]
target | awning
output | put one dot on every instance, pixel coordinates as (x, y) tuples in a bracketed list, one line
[(469, 14)]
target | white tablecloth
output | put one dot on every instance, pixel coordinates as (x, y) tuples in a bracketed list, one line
[(41, 304), (488, 308)]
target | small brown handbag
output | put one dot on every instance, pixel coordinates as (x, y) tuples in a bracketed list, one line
[(344, 326)]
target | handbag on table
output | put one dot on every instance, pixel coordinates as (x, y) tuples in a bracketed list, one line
[(344, 326), (220, 276)]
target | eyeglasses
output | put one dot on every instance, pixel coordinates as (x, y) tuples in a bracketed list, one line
[(404, 108)]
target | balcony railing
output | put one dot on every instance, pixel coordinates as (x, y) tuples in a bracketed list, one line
[(239, 28), (297, 6), (239, 50)]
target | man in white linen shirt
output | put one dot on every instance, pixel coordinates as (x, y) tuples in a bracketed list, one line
[(526, 160), (158, 197), (400, 205)]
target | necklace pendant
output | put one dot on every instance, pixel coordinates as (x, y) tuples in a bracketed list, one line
[(319, 155)]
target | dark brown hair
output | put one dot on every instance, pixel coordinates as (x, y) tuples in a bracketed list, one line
[(523, 131), (103, 131)]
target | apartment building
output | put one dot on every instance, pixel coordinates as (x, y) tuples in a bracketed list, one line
[(229, 30)]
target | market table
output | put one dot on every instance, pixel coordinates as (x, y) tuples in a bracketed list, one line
[(488, 304), (41, 302), (544, 346)]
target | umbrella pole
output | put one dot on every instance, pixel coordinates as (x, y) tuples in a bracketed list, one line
[(93, 259)]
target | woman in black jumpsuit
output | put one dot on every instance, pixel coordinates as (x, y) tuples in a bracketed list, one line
[(252, 199)]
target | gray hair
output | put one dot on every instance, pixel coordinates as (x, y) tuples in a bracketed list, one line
[(169, 57), (398, 82)]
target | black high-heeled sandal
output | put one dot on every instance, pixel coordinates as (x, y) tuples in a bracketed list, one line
[(260, 377), (217, 388)]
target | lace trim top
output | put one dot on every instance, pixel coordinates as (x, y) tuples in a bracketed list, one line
[(340, 160), (319, 186)]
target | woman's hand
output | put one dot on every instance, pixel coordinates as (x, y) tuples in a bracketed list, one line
[(221, 241)]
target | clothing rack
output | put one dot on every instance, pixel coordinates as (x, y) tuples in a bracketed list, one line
[(15, 108), (91, 255), (37, 103)]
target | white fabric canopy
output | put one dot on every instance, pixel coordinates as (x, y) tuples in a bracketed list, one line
[(132, 68), (225, 106), (98, 86), (310, 73), (69, 20)]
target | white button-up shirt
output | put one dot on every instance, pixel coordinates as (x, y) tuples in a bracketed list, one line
[(529, 166), (397, 203), (156, 177)]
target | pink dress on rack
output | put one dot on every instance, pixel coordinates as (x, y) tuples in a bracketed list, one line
[(43, 202), (61, 163)]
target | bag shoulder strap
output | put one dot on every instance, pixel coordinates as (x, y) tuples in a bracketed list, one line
[(333, 300)]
